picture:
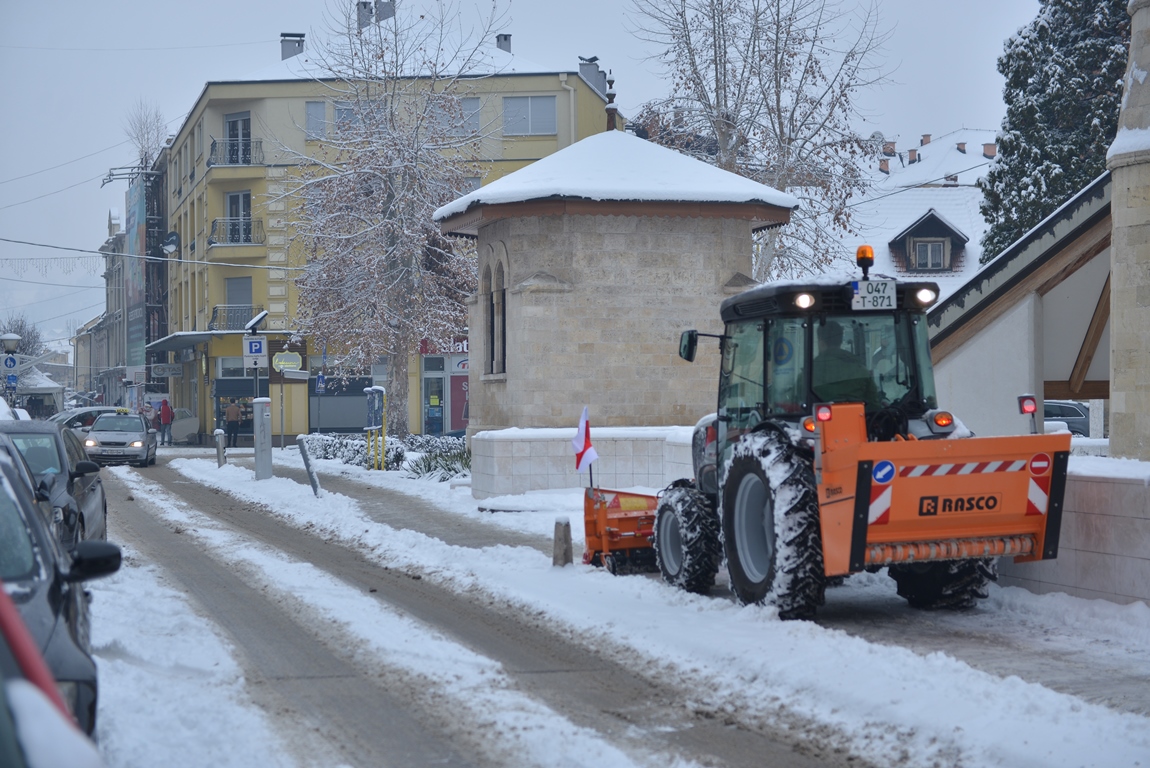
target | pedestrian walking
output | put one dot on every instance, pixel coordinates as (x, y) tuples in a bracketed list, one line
[(165, 423), (232, 416)]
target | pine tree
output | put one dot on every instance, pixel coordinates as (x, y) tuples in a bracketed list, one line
[(1063, 85)]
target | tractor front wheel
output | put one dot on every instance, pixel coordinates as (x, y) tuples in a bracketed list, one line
[(770, 523), (687, 546), (951, 584)]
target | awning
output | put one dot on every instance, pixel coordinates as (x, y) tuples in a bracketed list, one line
[(174, 342)]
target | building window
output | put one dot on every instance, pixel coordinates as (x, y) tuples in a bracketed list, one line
[(529, 116), (470, 107), (499, 315), (345, 116), (316, 127), (930, 254), (470, 184)]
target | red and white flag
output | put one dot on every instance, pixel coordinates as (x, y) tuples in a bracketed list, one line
[(584, 451)]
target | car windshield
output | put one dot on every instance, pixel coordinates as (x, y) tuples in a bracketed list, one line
[(118, 423), (40, 451), (17, 559)]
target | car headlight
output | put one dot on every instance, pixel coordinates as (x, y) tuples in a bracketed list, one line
[(136, 444), (91, 442)]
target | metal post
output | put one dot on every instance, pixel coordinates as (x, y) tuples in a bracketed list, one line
[(262, 432), (281, 411), (221, 453)]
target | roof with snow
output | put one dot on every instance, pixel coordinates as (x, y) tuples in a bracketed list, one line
[(919, 196), (618, 166)]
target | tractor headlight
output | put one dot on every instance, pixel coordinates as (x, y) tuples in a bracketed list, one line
[(804, 301), (926, 296)]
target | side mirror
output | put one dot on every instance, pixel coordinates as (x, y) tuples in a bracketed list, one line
[(151, 431), (86, 468), (93, 559), (688, 343), (44, 488)]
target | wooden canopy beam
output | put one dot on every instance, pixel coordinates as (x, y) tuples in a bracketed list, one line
[(1089, 347)]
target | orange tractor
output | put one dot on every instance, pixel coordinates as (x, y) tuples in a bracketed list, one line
[(828, 455)]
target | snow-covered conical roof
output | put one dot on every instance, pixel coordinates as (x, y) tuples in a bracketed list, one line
[(617, 166)]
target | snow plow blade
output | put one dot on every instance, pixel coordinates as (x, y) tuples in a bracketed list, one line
[(617, 529), (924, 500)]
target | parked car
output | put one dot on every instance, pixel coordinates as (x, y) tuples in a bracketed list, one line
[(185, 426), (41, 489), (79, 418), (56, 455), (1075, 414), (46, 584), (121, 437)]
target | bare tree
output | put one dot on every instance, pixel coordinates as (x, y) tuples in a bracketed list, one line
[(766, 89), (380, 278), (31, 342), (147, 130)]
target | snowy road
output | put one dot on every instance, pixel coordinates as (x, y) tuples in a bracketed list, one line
[(504, 660)]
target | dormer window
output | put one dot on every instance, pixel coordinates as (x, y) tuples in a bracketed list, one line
[(931, 254)]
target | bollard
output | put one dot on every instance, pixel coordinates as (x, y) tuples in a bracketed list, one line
[(262, 433), (562, 553), (313, 478), (221, 454)]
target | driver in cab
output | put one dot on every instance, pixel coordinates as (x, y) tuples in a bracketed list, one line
[(839, 376)]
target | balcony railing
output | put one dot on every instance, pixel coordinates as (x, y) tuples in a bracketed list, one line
[(237, 152), (232, 317), (237, 231)]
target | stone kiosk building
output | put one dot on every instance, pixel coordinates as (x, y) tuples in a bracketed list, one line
[(592, 261)]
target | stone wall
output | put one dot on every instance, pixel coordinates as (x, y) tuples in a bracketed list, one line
[(595, 307), (1104, 550)]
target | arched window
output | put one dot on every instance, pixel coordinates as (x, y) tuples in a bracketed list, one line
[(487, 300), (499, 322)]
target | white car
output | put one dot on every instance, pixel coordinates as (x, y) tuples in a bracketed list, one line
[(121, 437), (185, 426)]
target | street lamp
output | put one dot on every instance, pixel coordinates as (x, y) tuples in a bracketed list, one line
[(10, 342)]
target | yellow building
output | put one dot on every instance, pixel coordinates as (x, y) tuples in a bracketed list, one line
[(230, 244)]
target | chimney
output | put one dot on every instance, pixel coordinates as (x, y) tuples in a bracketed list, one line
[(989, 150), (291, 44), (951, 181), (884, 165), (888, 148), (612, 108), (962, 147), (913, 155), (363, 11), (925, 140), (503, 41), (384, 9)]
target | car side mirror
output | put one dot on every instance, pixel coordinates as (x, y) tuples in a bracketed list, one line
[(85, 429), (93, 559), (151, 431), (85, 468), (688, 343), (44, 488)]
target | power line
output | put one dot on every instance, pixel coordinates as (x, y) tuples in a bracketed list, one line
[(72, 312), (7, 279), (900, 190), (41, 301), (131, 50), (49, 194), (89, 251)]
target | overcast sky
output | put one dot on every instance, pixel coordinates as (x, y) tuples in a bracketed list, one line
[(73, 69)]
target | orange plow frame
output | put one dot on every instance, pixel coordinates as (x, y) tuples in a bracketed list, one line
[(923, 500), (618, 527)]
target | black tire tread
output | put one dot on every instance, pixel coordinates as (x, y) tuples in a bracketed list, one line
[(799, 579), (699, 531), (948, 585)]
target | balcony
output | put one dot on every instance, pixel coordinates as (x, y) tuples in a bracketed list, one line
[(232, 317), (236, 152), (237, 231)]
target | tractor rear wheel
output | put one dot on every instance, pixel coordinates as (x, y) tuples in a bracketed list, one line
[(770, 524), (951, 584), (687, 546)]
